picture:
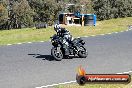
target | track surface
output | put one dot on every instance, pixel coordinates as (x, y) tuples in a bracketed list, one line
[(30, 65)]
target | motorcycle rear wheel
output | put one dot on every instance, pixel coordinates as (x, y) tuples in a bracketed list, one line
[(57, 54)]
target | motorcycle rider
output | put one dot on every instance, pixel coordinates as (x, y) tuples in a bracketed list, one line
[(66, 37)]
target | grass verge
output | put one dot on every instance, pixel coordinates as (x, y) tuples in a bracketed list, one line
[(75, 85), (96, 86), (34, 35)]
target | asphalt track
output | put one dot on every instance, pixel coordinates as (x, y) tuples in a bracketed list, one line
[(30, 65)]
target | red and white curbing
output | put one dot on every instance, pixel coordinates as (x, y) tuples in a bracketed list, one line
[(52, 85), (78, 37)]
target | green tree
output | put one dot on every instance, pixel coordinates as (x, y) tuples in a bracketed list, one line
[(23, 14), (100, 8), (3, 14), (86, 6), (45, 10), (107, 9)]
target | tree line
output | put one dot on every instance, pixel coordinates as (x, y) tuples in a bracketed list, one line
[(26, 13), (108, 9)]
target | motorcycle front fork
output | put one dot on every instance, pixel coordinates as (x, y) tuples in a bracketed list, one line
[(58, 49)]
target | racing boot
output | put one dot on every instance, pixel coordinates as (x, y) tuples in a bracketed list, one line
[(67, 53), (66, 50)]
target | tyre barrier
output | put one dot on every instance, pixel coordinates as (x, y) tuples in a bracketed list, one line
[(41, 25)]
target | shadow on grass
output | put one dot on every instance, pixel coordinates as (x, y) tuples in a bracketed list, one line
[(49, 57)]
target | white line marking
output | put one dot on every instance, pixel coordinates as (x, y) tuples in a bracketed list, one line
[(93, 35), (129, 71), (86, 36), (102, 34), (121, 31), (116, 32), (19, 43), (29, 42), (126, 72), (41, 41), (130, 29), (77, 37), (109, 33), (56, 84), (119, 73), (73, 81), (9, 44)]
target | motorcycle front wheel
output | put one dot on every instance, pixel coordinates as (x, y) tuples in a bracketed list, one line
[(56, 52), (82, 53)]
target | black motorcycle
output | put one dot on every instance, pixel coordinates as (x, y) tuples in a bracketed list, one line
[(76, 47)]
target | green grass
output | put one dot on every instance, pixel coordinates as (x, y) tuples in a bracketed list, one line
[(96, 86), (33, 35)]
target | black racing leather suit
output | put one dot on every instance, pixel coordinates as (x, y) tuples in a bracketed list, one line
[(66, 39)]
